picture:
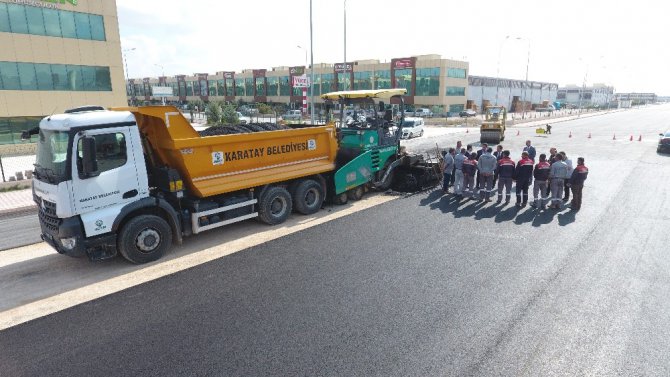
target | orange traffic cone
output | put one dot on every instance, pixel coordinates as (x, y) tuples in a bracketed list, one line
[(570, 134), (614, 138), (589, 135), (631, 137), (640, 138)]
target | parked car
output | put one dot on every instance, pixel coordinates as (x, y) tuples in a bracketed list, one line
[(292, 115), (243, 119), (664, 142), (412, 127), (467, 113), (422, 112)]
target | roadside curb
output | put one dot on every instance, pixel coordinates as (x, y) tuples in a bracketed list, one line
[(18, 211)]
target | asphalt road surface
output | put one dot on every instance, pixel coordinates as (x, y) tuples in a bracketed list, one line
[(420, 286)]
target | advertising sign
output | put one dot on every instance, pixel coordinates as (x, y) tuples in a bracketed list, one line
[(259, 72), (343, 67), (301, 81), (297, 71), (403, 63), (161, 91)]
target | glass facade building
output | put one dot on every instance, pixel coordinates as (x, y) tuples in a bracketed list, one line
[(55, 56)]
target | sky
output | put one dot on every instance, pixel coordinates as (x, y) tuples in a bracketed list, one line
[(622, 44)]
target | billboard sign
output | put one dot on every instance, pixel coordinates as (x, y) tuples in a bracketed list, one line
[(403, 63), (297, 71), (161, 91), (301, 81), (343, 67)]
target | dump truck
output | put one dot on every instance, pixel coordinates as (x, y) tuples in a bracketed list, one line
[(493, 126), (136, 180)]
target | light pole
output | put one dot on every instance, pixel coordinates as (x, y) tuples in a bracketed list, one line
[(311, 66), (302, 48), (523, 115), (345, 41), (125, 52), (159, 81)]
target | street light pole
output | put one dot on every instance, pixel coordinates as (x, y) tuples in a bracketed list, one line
[(523, 115), (125, 63), (311, 65), (345, 42)]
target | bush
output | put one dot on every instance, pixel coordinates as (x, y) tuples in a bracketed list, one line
[(264, 108), (213, 113), (229, 114)]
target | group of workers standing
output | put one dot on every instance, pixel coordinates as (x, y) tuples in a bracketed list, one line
[(475, 174)]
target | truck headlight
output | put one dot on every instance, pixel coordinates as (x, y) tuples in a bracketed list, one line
[(69, 243)]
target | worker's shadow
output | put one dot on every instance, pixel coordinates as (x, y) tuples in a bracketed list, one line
[(465, 208), (487, 212), (506, 215), (435, 195), (566, 218)]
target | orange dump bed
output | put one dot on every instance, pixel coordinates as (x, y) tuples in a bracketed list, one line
[(215, 165)]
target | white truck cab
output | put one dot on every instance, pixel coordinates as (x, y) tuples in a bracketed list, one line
[(78, 206)]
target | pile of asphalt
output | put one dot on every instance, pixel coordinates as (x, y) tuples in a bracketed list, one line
[(230, 129)]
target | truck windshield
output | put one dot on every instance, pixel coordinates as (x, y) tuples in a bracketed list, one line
[(51, 164)]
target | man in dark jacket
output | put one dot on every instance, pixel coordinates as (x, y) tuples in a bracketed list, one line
[(523, 176), (577, 183), (505, 176), (541, 175), (469, 170), (530, 150)]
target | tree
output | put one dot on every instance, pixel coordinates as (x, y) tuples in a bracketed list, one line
[(229, 114), (213, 113), (199, 103), (264, 108)]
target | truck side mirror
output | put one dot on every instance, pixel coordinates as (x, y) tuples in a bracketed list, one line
[(89, 163)]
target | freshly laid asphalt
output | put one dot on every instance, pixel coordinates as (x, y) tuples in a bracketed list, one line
[(422, 286)]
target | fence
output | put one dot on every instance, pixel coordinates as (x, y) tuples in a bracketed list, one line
[(16, 167)]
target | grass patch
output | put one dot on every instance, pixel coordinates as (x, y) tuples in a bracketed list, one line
[(13, 188)]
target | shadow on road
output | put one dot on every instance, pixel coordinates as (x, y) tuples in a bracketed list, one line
[(500, 213)]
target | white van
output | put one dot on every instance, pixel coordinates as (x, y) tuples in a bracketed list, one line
[(423, 112), (412, 127)]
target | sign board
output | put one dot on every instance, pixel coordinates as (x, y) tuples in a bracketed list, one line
[(301, 81), (229, 75), (161, 91), (403, 63), (259, 72), (297, 71), (343, 67)]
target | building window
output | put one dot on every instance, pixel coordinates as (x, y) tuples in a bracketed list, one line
[(383, 79), (456, 108), (428, 81), (403, 79), (455, 91), (212, 87), (362, 80), (239, 87), (260, 86), (230, 87), (22, 19), (189, 88), (220, 89), (327, 82), (249, 86), (272, 86), (36, 76), (458, 73), (284, 86)]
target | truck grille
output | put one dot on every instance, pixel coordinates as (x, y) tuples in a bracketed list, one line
[(47, 215)]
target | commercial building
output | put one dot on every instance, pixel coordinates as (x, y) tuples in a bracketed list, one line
[(430, 81), (586, 96), (637, 98), (55, 55), (484, 91)]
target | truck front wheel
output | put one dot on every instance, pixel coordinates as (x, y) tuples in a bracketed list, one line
[(145, 238), (275, 206)]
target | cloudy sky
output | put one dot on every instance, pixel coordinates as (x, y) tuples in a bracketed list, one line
[(623, 44)]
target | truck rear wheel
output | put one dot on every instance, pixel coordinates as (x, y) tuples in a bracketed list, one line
[(144, 239), (275, 205), (308, 197)]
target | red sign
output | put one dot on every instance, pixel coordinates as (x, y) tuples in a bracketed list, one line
[(403, 63), (259, 72)]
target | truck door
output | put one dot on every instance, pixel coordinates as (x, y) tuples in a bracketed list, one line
[(116, 182)]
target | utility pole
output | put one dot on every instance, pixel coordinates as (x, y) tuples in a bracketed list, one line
[(345, 42), (311, 65)]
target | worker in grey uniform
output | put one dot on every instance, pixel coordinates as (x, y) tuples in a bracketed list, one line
[(458, 172), (557, 176), (448, 167), (487, 165)]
